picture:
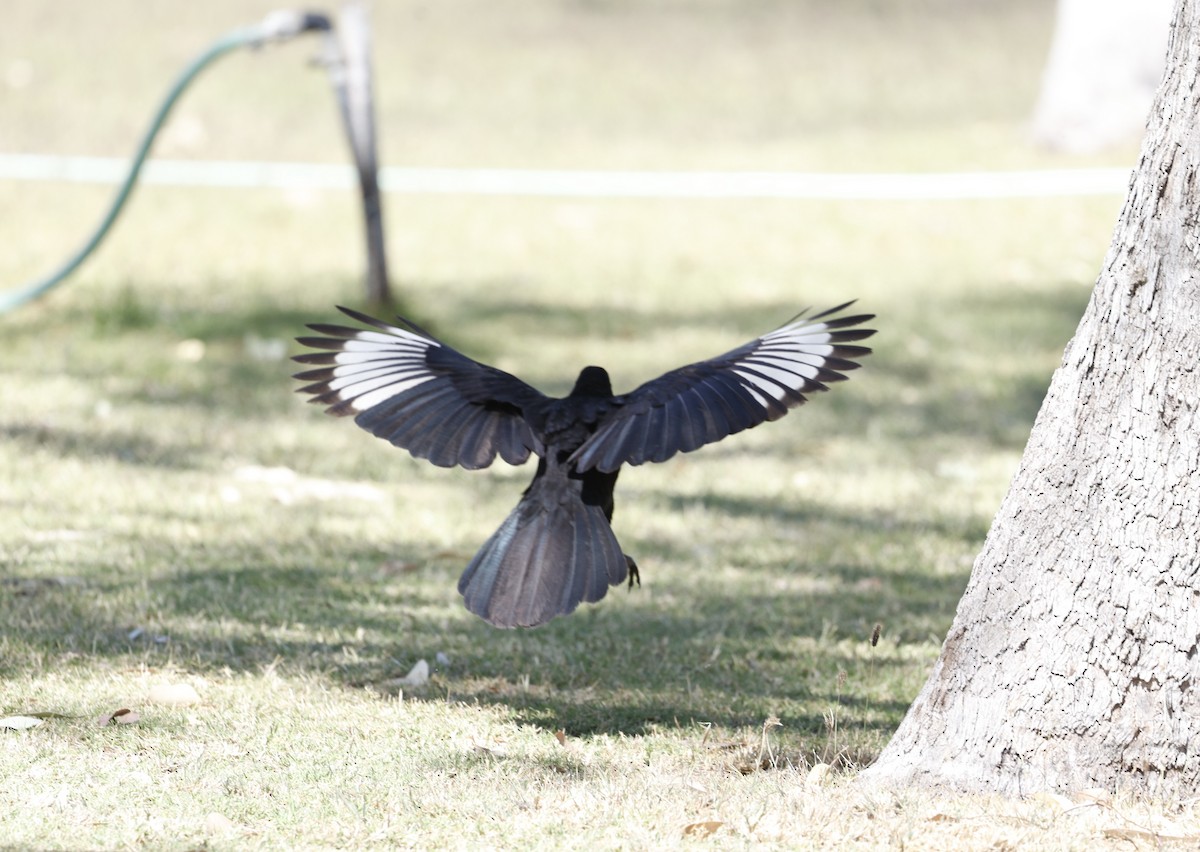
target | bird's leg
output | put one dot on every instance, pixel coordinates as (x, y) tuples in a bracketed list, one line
[(634, 575)]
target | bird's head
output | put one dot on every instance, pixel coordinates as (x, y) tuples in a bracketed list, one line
[(592, 381)]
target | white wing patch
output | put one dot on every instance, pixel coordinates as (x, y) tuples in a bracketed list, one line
[(800, 334), (751, 384), (384, 344), (372, 398), (374, 366), (787, 359), (754, 384), (780, 371)]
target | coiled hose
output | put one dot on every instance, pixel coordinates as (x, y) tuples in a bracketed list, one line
[(277, 26)]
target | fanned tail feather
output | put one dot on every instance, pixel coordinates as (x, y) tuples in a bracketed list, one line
[(552, 552)]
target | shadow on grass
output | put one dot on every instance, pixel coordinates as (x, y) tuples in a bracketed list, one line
[(799, 513), (678, 653), (124, 446), (977, 371), (668, 655)]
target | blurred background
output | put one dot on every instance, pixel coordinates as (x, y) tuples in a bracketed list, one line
[(859, 86), (862, 85)]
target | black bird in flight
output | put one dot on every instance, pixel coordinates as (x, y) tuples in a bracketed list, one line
[(557, 547)]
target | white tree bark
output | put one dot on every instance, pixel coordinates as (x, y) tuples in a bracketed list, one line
[(1074, 657)]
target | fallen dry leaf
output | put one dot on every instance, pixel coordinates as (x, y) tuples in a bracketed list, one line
[(702, 829), (124, 716), (19, 723), (176, 694), (941, 817), (418, 675), (216, 823), (820, 775)]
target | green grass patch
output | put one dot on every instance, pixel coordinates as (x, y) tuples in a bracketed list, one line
[(173, 513)]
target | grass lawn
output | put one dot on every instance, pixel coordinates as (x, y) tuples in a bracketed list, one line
[(175, 517)]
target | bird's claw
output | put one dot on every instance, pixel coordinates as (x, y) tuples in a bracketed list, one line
[(634, 575)]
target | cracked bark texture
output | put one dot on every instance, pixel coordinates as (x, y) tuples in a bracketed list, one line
[(1072, 660)]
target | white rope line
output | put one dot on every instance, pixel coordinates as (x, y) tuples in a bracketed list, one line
[(581, 184)]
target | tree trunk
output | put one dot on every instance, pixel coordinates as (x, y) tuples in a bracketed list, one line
[(357, 100), (1074, 657), (1105, 61)]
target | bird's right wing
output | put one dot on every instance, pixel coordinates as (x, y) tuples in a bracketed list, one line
[(405, 386), (703, 402)]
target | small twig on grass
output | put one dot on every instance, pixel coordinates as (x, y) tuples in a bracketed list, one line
[(764, 748)]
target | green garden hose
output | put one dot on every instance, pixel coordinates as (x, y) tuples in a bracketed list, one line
[(276, 26)]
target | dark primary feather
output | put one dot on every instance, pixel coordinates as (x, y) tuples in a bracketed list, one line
[(557, 547), (704, 402), (403, 385)]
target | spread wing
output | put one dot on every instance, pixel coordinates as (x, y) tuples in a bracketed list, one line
[(703, 402), (405, 386)]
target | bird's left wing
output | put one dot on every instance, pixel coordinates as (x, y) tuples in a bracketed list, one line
[(405, 386), (703, 402)]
